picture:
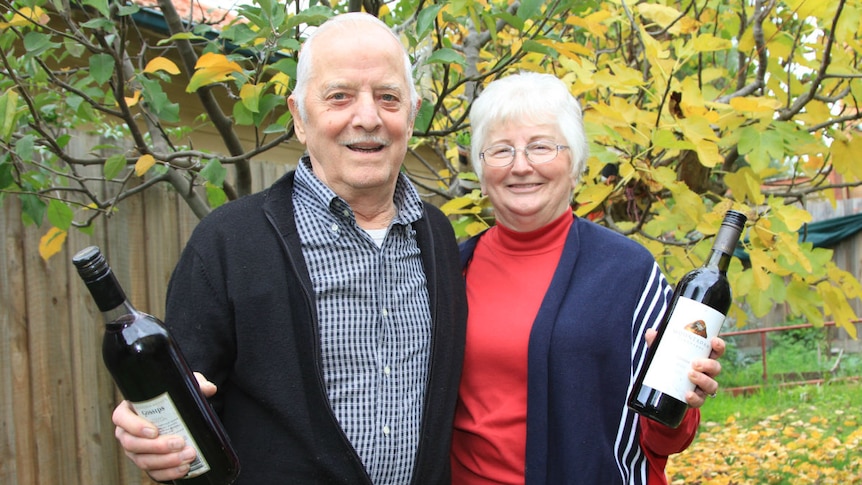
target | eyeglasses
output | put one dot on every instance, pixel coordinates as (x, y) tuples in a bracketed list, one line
[(536, 152)]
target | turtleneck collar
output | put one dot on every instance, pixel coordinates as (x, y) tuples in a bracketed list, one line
[(547, 238)]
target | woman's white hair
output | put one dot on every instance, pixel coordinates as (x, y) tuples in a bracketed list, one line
[(534, 98), (342, 21)]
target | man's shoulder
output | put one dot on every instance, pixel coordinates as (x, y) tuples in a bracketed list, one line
[(248, 209), (433, 212)]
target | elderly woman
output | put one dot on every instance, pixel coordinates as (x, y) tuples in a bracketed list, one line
[(559, 311)]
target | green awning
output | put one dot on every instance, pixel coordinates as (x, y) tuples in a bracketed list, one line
[(822, 234)]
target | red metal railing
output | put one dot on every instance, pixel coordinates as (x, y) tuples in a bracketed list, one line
[(765, 374)]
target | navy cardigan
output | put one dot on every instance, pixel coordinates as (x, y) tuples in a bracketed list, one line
[(241, 305), (584, 344)]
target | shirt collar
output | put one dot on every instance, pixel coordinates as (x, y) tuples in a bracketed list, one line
[(407, 201)]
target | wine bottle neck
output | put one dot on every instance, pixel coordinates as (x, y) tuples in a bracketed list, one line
[(125, 308), (718, 260), (724, 246)]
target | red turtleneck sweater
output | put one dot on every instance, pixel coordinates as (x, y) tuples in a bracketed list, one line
[(506, 281)]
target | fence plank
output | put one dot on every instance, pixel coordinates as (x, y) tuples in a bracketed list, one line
[(17, 445), (50, 377)]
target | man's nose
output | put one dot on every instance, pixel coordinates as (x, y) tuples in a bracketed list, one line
[(367, 113)]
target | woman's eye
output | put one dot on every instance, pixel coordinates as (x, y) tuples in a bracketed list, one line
[(500, 152), (540, 148)]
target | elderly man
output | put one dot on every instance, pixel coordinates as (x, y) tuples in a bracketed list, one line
[(329, 309)]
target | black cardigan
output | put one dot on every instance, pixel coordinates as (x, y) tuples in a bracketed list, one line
[(241, 305)]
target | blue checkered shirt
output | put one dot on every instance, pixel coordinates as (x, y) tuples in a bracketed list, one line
[(375, 322)]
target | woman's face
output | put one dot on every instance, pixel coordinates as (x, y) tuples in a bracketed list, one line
[(527, 196)]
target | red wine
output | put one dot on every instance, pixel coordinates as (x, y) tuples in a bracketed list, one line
[(695, 315), (151, 373)]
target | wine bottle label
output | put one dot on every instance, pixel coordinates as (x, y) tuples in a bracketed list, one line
[(162, 412), (686, 338)]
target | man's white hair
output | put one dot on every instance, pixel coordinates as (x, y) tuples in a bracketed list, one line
[(342, 21)]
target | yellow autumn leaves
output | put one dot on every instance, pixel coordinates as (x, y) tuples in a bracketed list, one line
[(790, 447)]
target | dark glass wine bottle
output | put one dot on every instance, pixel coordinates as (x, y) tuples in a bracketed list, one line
[(151, 373), (695, 315)]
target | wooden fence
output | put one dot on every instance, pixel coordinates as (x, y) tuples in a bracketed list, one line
[(57, 397)]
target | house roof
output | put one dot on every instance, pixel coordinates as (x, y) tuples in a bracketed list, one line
[(191, 11)]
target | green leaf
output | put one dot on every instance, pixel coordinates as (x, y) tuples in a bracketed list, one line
[(36, 43), (101, 68), (425, 20), (241, 115), (73, 48), (215, 195), (158, 102), (530, 9), (24, 147), (272, 128), (446, 56), (214, 172), (191, 36), (8, 110), (250, 95), (667, 139), (533, 46), (32, 209), (6, 178), (113, 166), (804, 301), (128, 9), (516, 22), (268, 102), (60, 215), (100, 5), (424, 116), (287, 66), (99, 23), (313, 16)]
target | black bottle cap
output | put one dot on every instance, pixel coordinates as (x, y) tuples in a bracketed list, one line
[(91, 264), (734, 218)]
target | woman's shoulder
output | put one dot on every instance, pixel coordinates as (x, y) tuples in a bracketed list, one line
[(607, 242)]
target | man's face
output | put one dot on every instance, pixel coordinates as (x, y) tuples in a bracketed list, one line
[(358, 111)]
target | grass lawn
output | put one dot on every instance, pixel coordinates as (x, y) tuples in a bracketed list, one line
[(798, 435)]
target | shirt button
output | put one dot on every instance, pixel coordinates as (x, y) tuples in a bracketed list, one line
[(384, 312), (334, 227), (346, 213), (386, 430), (387, 370)]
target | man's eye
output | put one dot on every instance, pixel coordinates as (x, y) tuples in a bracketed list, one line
[(390, 101)]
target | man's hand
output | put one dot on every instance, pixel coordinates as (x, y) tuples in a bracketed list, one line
[(164, 458)]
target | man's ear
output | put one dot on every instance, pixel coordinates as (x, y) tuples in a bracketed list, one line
[(298, 124)]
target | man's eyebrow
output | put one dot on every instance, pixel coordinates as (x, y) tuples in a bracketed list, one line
[(389, 87), (334, 85)]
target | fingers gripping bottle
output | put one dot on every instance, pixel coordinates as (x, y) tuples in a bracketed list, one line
[(151, 373), (695, 315)]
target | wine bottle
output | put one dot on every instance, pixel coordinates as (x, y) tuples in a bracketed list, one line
[(152, 374), (695, 315)]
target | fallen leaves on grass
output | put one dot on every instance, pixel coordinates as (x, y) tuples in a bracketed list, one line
[(786, 448)]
